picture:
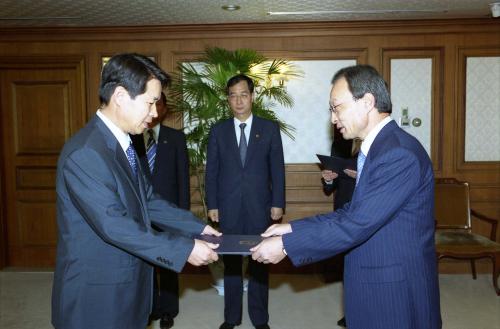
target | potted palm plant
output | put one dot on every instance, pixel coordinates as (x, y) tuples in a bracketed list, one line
[(198, 92)]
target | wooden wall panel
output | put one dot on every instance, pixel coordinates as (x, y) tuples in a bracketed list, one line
[(36, 224), (39, 131), (436, 55), (35, 178), (41, 107), (448, 42)]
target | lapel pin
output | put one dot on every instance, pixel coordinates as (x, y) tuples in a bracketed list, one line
[(257, 135)]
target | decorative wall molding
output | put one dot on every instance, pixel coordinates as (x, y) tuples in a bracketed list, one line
[(436, 54), (183, 32), (464, 53)]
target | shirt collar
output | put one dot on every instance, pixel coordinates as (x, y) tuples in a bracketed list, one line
[(122, 137), (248, 121), (368, 141), (156, 130)]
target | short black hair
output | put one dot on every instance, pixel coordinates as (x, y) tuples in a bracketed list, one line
[(130, 71), (362, 79), (163, 98), (238, 78)]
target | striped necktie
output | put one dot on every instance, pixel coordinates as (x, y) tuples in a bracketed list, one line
[(361, 163), (151, 150)]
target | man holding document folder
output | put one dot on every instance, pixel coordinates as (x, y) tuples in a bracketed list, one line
[(390, 274), (106, 209), (245, 187)]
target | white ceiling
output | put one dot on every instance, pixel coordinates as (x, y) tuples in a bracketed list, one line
[(38, 13)]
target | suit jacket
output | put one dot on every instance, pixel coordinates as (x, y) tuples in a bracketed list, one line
[(256, 187), (105, 245), (390, 274), (170, 177)]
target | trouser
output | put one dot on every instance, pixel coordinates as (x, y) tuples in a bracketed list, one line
[(258, 290), (165, 293)]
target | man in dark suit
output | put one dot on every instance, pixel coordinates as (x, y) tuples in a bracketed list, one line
[(163, 154), (390, 274), (245, 185), (106, 207), (340, 183)]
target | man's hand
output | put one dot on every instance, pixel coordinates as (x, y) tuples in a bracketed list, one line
[(276, 213), (213, 214), (209, 230), (329, 175), (270, 250), (351, 173), (202, 253), (277, 229)]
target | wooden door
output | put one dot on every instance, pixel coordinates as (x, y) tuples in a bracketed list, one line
[(42, 105)]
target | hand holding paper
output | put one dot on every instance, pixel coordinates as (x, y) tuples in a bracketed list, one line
[(329, 175), (276, 230), (276, 213), (203, 253), (270, 250), (335, 164), (351, 173), (209, 230)]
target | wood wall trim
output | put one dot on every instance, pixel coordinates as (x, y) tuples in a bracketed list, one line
[(3, 223), (461, 80), (176, 32), (437, 56), (40, 61)]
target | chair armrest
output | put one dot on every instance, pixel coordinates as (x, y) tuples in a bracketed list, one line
[(492, 221)]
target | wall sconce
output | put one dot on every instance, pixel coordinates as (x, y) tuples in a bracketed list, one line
[(280, 80), (276, 73)]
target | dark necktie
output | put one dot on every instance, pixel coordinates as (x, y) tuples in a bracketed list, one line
[(243, 144), (131, 158), (151, 150), (361, 163)]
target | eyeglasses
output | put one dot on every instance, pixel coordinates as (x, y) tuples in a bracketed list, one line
[(335, 108)]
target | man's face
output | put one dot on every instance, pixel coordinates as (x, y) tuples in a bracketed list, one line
[(135, 115), (349, 115), (161, 109), (240, 100)]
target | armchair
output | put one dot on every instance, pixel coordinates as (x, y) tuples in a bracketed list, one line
[(454, 237)]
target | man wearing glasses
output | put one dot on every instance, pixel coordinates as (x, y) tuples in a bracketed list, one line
[(390, 273)]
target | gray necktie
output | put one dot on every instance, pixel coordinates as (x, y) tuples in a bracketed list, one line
[(243, 144)]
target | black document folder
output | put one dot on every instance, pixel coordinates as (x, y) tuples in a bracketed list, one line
[(232, 244), (335, 164)]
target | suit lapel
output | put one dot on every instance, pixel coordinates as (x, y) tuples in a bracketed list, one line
[(164, 141), (230, 135), (143, 194), (254, 138), (121, 163), (377, 146), (382, 136), (126, 171)]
